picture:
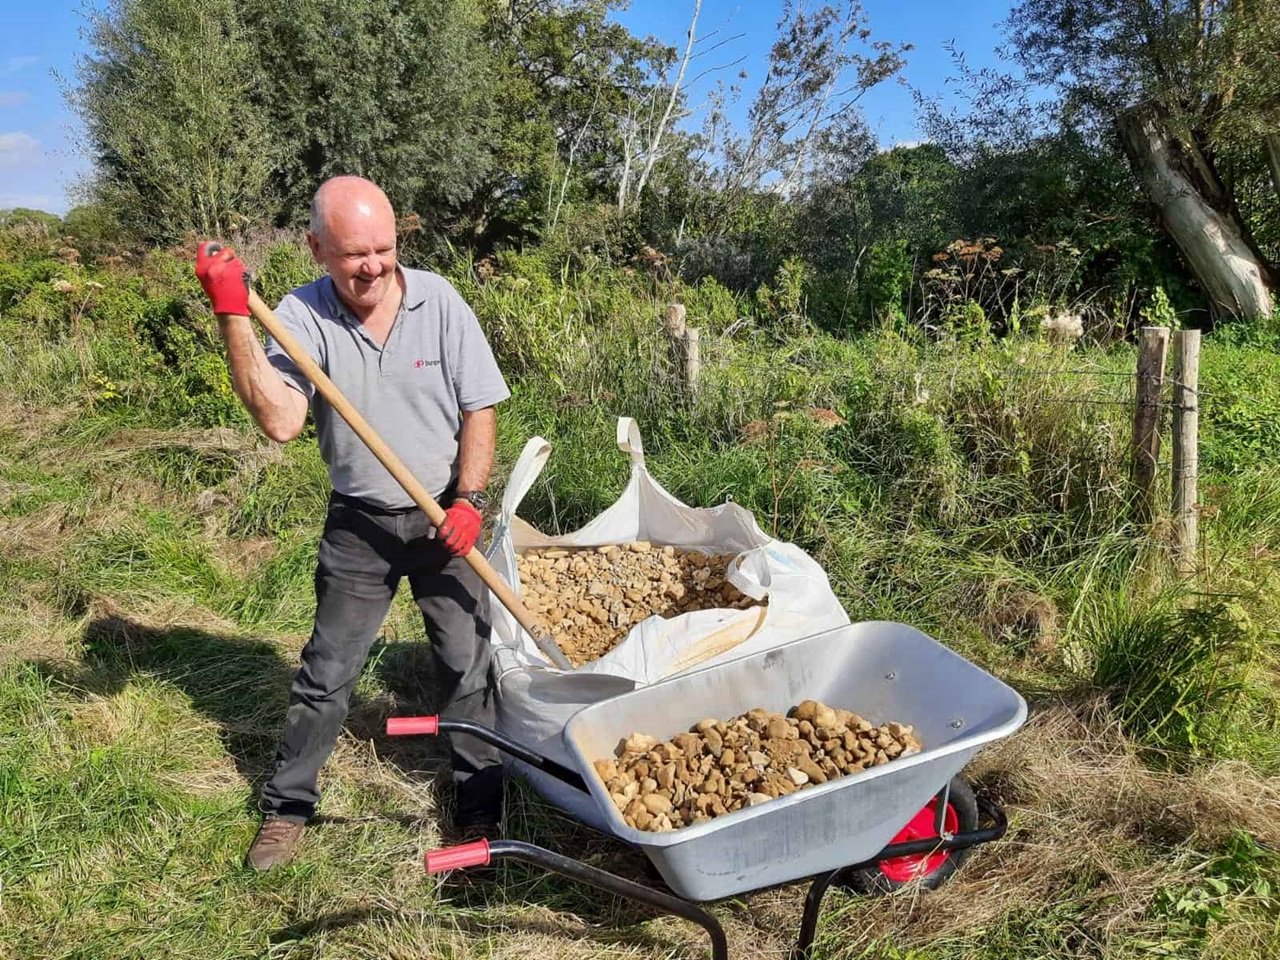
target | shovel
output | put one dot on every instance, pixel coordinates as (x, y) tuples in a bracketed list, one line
[(395, 466)]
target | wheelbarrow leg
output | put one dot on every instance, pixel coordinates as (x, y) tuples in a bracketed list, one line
[(484, 852), (822, 883), (812, 907)]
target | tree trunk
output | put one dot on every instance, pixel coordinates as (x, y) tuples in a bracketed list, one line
[(654, 144), (1273, 159), (1199, 213)]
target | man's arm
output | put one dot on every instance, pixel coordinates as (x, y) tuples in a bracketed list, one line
[(279, 409), (461, 527), (475, 447)]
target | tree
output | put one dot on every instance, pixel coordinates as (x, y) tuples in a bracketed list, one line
[(94, 228), (26, 216), (809, 94), (1181, 80), (641, 139), (176, 142), (804, 131), (397, 92), (567, 80)]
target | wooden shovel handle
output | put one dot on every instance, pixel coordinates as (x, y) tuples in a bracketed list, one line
[(395, 466)]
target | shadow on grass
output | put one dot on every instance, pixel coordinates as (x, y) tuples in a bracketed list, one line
[(627, 936), (300, 930), (242, 684)]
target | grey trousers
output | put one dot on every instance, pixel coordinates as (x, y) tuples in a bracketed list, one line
[(364, 554)]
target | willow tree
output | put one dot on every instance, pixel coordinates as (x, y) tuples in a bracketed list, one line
[(1181, 80), (395, 91), (165, 95)]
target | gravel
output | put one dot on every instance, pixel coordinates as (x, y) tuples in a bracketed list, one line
[(592, 597), (720, 766)]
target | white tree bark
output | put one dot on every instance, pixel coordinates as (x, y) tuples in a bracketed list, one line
[(628, 156), (1232, 275), (573, 149), (652, 155)]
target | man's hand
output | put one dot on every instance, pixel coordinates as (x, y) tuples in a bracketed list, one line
[(461, 528), (223, 279)]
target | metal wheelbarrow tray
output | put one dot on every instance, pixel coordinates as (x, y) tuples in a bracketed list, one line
[(883, 671)]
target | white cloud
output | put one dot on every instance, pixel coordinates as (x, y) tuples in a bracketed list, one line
[(14, 64), (11, 98), (17, 147)]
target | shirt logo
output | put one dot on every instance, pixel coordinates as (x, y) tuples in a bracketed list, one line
[(418, 364)]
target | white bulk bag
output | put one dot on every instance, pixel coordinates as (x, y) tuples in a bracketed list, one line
[(535, 699)]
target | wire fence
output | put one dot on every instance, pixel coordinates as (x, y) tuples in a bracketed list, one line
[(1093, 388), (1056, 431)]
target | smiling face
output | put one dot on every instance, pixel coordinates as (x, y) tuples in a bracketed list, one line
[(353, 236)]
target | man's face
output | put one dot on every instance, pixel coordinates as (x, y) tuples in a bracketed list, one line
[(358, 248)]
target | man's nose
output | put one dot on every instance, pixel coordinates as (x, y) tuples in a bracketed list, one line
[(370, 267)]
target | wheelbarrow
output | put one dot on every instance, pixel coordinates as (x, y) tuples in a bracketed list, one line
[(912, 820)]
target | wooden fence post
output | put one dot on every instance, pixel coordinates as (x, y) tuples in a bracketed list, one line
[(683, 342), (692, 361), (1186, 447), (1153, 350)]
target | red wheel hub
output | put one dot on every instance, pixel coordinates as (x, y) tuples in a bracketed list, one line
[(920, 827)]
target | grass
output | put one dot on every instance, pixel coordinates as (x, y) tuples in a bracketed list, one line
[(155, 589)]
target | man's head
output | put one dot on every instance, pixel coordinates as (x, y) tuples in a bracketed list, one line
[(353, 235)]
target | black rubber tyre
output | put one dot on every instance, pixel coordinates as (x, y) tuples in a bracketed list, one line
[(890, 876)]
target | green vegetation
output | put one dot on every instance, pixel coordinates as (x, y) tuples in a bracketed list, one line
[(157, 557), (917, 364)]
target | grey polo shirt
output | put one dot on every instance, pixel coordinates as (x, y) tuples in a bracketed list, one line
[(436, 363)]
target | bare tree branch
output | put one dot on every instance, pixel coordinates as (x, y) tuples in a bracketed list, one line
[(652, 154)]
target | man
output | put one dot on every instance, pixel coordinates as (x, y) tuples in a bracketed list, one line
[(407, 351)]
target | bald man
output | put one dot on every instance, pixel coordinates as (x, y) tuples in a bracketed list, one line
[(407, 351)]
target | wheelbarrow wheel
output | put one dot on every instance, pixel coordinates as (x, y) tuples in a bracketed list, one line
[(928, 871)]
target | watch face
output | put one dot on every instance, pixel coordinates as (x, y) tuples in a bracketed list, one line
[(479, 499)]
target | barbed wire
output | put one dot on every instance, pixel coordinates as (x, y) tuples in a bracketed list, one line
[(1089, 401), (907, 378), (1021, 372)]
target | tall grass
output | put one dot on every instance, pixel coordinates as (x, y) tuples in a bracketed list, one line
[(1178, 674)]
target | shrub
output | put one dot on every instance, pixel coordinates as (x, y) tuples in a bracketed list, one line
[(783, 304), (288, 264), (712, 307), (884, 278)]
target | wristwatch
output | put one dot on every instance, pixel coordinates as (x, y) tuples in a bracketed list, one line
[(477, 498)]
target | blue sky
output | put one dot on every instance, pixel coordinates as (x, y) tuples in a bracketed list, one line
[(39, 163), (974, 26)]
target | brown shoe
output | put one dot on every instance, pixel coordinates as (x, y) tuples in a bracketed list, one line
[(276, 843)]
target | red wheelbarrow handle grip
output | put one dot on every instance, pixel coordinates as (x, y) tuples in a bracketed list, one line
[(458, 858), (407, 726)]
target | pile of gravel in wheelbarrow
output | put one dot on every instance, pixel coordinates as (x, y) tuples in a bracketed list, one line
[(721, 766), (592, 597)]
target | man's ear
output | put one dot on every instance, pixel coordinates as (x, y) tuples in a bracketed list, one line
[(313, 242)]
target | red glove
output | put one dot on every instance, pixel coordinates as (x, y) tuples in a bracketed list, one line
[(223, 279), (461, 528)]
